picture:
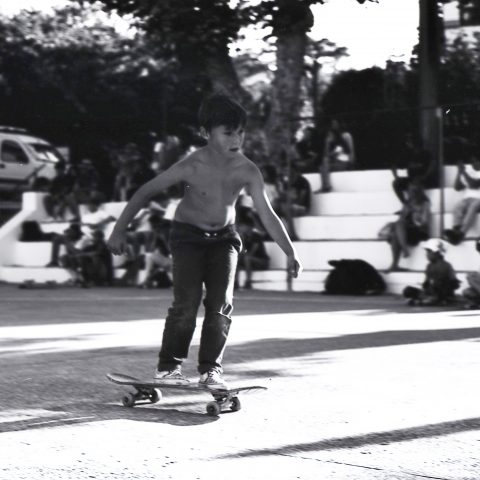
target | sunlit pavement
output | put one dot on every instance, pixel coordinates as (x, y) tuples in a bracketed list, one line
[(357, 389)]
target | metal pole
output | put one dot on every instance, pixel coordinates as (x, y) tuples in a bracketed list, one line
[(441, 173), (429, 61), (289, 217)]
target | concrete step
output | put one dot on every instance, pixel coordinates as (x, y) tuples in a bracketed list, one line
[(381, 202), (351, 227), (314, 280), (316, 254), (31, 254), (354, 203), (113, 208), (38, 254), (14, 274), (309, 280), (355, 180), (369, 180), (19, 274), (54, 227)]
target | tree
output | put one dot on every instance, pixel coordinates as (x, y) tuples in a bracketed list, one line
[(290, 20), (198, 34), (71, 75), (317, 52), (460, 88), (378, 105)]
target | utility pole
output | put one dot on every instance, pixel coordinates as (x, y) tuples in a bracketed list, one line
[(429, 61)]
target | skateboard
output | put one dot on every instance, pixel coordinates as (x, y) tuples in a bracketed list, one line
[(152, 391)]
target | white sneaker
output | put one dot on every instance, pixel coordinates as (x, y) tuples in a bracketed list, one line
[(213, 379), (170, 377)]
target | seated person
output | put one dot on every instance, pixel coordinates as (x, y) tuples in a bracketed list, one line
[(472, 292), (338, 154), (412, 226), (294, 200), (96, 219), (140, 230), (272, 184), (465, 212), (418, 164), (69, 239), (158, 260), (308, 148), (253, 255), (91, 265), (440, 278), (60, 197)]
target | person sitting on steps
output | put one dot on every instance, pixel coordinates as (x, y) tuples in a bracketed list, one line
[(465, 212), (440, 278), (412, 226)]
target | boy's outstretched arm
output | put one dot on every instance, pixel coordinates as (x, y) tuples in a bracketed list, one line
[(117, 241), (270, 220)]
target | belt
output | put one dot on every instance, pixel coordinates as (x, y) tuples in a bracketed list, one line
[(205, 233)]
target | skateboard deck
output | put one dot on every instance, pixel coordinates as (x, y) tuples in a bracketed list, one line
[(152, 391)]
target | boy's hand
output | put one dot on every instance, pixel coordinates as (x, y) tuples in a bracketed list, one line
[(117, 243), (294, 266)]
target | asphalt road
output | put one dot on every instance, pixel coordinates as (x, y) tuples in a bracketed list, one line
[(358, 388)]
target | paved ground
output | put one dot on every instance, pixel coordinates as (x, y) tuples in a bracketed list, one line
[(358, 388)]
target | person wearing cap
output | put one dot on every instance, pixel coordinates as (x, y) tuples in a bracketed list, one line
[(440, 278)]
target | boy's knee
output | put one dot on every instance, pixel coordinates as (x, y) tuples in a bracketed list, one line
[(224, 308)]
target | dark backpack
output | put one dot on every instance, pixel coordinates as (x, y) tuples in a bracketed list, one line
[(353, 277)]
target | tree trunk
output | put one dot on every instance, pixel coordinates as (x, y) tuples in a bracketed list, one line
[(291, 23), (223, 76)]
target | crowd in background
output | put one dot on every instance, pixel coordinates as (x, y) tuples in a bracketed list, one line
[(77, 193), (288, 190)]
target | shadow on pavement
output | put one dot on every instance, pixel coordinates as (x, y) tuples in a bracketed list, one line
[(51, 381), (267, 349), (82, 413), (375, 438), (270, 348)]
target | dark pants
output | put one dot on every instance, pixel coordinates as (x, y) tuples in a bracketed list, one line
[(200, 258)]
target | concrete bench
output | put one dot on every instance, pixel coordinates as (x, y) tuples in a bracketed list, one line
[(364, 227), (316, 254)]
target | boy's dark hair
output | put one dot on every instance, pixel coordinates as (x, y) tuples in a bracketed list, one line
[(221, 109)]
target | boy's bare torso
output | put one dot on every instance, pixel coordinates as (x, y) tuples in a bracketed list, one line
[(212, 189)]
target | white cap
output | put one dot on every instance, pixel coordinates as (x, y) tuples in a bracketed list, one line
[(435, 245)]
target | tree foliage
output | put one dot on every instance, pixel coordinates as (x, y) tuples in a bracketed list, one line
[(198, 32), (71, 74), (380, 106)]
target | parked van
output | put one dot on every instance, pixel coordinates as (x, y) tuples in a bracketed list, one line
[(25, 159)]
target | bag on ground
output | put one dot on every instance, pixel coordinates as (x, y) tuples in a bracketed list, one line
[(353, 277)]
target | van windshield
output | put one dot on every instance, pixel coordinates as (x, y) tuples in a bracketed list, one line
[(46, 153)]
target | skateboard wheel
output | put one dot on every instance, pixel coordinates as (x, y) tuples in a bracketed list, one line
[(128, 400), (235, 405), (156, 395), (213, 409)]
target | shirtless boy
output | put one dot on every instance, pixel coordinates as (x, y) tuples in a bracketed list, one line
[(203, 239)]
